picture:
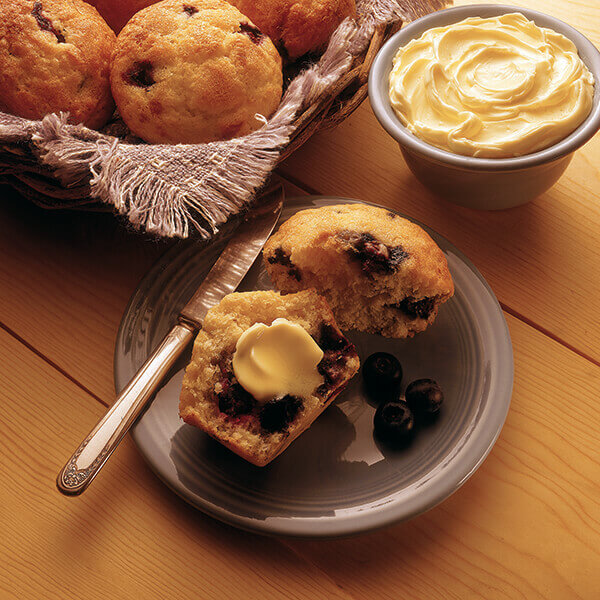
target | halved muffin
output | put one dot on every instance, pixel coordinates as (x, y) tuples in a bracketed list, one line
[(379, 272), (213, 399)]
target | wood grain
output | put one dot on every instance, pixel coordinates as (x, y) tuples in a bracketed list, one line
[(65, 281), (128, 536), (542, 259), (525, 526)]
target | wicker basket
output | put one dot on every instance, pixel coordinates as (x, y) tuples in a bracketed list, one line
[(23, 167), (343, 98)]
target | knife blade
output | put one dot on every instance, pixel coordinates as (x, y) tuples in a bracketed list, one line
[(224, 277)]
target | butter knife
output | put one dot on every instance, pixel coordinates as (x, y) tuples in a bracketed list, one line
[(224, 277)]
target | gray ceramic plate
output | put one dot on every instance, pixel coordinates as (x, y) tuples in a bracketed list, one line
[(335, 479)]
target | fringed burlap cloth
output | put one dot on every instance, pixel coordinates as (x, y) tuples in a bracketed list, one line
[(174, 190)]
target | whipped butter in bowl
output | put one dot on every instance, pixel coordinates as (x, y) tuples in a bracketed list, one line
[(487, 102), (495, 87)]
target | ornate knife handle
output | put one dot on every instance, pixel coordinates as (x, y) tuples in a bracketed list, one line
[(95, 450)]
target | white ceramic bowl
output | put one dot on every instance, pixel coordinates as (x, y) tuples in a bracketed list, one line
[(485, 183)]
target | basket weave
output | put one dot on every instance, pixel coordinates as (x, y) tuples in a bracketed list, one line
[(60, 166)]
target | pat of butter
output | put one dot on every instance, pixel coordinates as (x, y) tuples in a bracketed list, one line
[(272, 361)]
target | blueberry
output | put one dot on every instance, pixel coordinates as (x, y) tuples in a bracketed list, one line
[(141, 74), (382, 374), (189, 10), (277, 414), (234, 400), (331, 339), (45, 24), (373, 255), (254, 33), (425, 398), (394, 423), (414, 309)]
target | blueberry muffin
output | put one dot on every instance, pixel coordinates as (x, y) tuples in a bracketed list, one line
[(55, 56), (379, 272), (194, 71), (298, 27), (260, 428)]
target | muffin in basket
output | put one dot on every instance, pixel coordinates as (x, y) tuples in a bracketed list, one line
[(263, 368), (298, 27), (55, 56), (193, 72), (379, 272)]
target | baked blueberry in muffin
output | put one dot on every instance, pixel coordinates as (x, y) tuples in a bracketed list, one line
[(379, 272), (263, 368)]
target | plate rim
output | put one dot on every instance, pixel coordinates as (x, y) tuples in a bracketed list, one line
[(371, 520)]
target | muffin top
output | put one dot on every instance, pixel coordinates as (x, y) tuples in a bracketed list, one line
[(298, 26), (373, 242), (194, 72), (55, 56)]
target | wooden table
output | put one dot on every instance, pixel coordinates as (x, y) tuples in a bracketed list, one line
[(526, 525)]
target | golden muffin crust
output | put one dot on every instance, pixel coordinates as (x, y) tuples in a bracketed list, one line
[(194, 71), (209, 379), (55, 56), (298, 26), (379, 272)]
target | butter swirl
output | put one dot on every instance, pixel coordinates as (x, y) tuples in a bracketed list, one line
[(496, 87)]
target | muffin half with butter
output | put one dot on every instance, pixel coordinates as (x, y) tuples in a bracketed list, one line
[(263, 368)]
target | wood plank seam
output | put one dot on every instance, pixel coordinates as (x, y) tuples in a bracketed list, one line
[(49, 361), (299, 184), (549, 334)]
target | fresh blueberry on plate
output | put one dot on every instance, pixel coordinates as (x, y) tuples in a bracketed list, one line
[(394, 423), (382, 374), (425, 398)]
